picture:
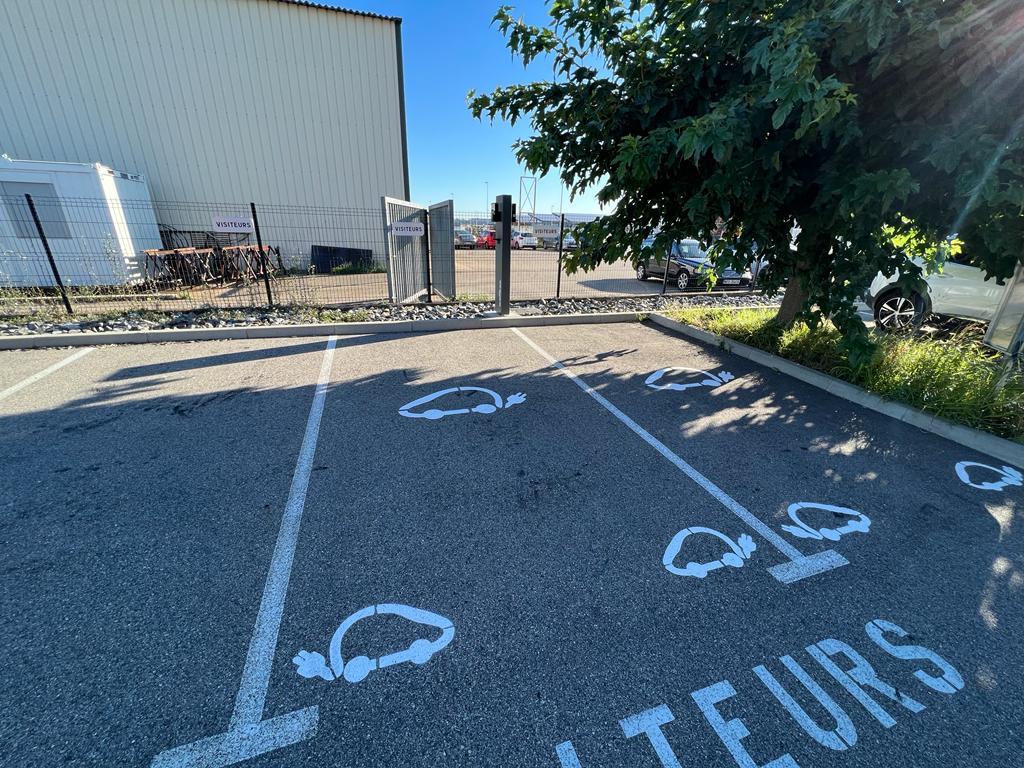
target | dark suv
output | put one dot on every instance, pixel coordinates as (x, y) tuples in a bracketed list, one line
[(690, 267)]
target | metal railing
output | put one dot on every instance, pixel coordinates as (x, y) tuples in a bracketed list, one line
[(91, 256)]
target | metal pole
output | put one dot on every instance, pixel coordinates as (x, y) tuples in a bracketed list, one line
[(664, 279), (561, 234), (426, 254), (49, 254), (263, 256), (503, 255)]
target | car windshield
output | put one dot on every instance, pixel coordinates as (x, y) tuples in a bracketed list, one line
[(689, 251)]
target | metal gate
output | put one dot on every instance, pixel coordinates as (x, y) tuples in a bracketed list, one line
[(442, 249), (407, 248), (420, 248)]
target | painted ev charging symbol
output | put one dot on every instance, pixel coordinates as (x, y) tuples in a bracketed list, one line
[(434, 414), (1008, 476), (740, 551), (859, 522), (355, 670), (712, 380)]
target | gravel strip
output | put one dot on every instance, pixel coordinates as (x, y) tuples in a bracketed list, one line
[(227, 318)]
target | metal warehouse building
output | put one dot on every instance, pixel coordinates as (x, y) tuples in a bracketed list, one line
[(282, 102)]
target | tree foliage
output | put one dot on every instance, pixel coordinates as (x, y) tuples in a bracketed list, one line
[(877, 127)]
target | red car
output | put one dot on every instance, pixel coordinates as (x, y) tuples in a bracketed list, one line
[(486, 240)]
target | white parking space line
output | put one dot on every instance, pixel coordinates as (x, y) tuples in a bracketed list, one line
[(248, 734), (45, 372), (799, 565)]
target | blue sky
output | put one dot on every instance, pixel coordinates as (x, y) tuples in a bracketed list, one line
[(450, 47)]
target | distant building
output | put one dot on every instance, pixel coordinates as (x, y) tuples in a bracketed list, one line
[(281, 102)]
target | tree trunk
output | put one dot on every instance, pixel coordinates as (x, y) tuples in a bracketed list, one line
[(792, 301)]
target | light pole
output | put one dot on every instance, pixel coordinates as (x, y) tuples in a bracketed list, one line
[(487, 196)]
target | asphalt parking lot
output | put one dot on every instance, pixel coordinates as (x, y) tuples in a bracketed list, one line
[(575, 547)]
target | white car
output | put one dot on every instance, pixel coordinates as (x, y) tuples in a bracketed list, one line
[(524, 240), (960, 290)]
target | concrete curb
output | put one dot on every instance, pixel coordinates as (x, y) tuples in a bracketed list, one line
[(315, 329), (998, 447)]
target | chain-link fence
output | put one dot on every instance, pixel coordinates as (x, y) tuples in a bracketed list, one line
[(114, 255)]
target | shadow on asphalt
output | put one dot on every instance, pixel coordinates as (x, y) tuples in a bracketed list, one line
[(122, 520), (229, 358)]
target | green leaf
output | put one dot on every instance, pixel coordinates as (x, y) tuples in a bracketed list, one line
[(780, 114)]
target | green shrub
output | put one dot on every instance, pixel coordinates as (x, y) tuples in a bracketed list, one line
[(954, 377)]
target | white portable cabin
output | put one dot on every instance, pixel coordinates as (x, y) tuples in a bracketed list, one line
[(97, 222)]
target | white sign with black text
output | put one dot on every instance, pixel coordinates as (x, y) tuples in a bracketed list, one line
[(232, 224), (408, 229)]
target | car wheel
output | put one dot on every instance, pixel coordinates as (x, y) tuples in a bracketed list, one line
[(896, 312), (641, 272), (682, 280)]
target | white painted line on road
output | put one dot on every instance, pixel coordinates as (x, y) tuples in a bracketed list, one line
[(248, 735), (243, 743), (45, 372), (256, 676), (799, 567)]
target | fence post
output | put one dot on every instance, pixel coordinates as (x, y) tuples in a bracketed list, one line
[(561, 235), (426, 254), (49, 254), (263, 256), (664, 279)]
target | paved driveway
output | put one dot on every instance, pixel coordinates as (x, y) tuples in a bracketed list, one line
[(578, 546)]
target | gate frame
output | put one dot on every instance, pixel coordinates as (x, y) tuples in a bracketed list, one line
[(426, 244), (432, 249), (389, 250)]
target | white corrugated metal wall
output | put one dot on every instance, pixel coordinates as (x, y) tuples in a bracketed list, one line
[(213, 100)]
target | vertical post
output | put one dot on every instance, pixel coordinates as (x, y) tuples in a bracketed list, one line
[(392, 273), (664, 279), (503, 254), (561, 234), (263, 256), (49, 254), (426, 254)]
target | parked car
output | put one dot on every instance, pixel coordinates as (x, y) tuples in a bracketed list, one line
[(569, 243), (524, 240), (960, 290), (465, 239), (689, 266), (486, 240)]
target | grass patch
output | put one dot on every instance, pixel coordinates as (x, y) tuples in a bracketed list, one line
[(471, 298), (358, 269), (954, 377), (322, 315)]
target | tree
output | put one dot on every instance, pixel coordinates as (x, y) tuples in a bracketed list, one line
[(876, 129)]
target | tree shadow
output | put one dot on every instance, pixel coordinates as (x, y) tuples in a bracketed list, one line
[(138, 524)]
